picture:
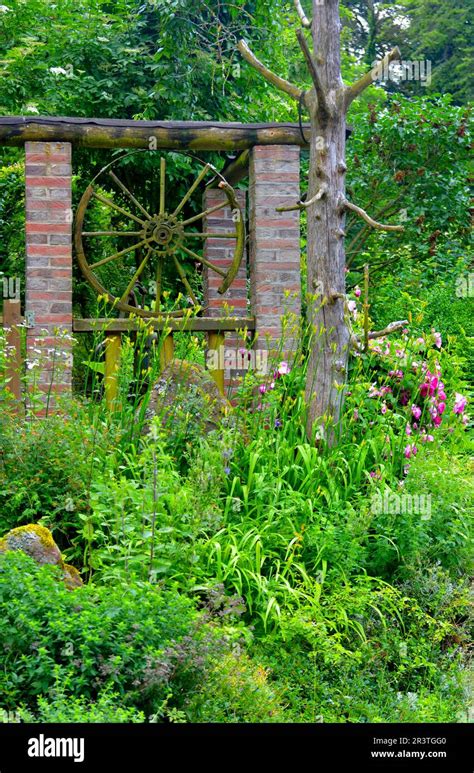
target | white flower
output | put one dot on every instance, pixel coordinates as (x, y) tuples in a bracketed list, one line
[(4, 9), (30, 364), (58, 71), (31, 109), (69, 505)]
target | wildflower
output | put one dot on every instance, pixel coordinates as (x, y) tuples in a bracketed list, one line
[(438, 341), (278, 423), (283, 369), (357, 291), (404, 397), (352, 308), (383, 409), (262, 389), (396, 373), (58, 71), (437, 420), (460, 403), (410, 450), (406, 469), (227, 470), (408, 429), (441, 408), (355, 415), (416, 411)]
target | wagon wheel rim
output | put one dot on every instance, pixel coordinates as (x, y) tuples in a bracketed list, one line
[(162, 236)]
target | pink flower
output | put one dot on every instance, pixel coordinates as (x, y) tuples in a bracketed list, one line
[(424, 390), (441, 395), (441, 408), (283, 368), (357, 291), (383, 409), (460, 403), (396, 373), (355, 415), (465, 419), (408, 429), (262, 389), (437, 339), (416, 411), (437, 420), (404, 397), (420, 341), (410, 450), (352, 307)]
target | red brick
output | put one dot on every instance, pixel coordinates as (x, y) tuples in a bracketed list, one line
[(49, 182), (55, 228)]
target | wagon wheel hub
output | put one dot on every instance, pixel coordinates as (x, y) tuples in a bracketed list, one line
[(164, 234)]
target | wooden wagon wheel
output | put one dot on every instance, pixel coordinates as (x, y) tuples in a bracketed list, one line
[(157, 237)]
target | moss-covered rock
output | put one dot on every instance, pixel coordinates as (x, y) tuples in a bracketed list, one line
[(38, 543), (187, 394)]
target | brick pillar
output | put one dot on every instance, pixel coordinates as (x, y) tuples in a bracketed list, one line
[(275, 282), (220, 252), (48, 307)]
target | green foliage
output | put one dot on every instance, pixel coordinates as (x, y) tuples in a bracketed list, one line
[(144, 647)]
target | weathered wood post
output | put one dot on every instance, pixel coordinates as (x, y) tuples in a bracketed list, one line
[(11, 321)]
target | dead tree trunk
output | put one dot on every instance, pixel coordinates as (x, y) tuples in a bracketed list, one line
[(327, 102)]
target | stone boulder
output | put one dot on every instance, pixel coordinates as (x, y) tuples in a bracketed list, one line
[(186, 394), (37, 542)]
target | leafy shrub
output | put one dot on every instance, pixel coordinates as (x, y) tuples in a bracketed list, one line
[(138, 643)]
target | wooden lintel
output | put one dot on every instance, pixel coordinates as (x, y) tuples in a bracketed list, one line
[(151, 135), (123, 325)]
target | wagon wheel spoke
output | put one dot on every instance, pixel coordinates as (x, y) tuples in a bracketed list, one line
[(184, 280), (118, 254), (205, 213), (210, 235), (129, 194), (115, 206), (159, 273), (135, 277), (193, 187), (162, 185), (111, 233), (204, 261)]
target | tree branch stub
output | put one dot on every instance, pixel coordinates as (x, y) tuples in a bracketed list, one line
[(280, 83), (322, 107), (352, 92), (345, 204)]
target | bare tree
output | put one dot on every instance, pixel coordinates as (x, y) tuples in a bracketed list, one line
[(327, 101)]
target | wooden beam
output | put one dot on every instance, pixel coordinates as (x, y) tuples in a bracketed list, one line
[(113, 344), (215, 341), (12, 319), (151, 135), (162, 323)]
